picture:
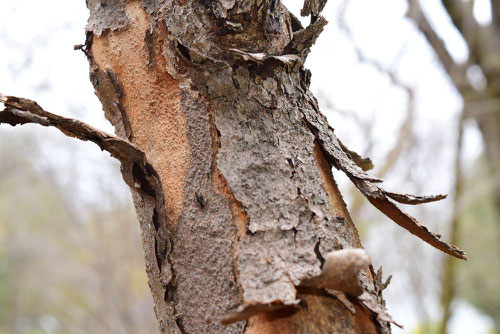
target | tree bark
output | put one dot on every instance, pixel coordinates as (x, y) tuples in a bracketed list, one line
[(250, 204), (246, 208), (229, 163)]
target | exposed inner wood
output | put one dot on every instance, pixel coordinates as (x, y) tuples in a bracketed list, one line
[(151, 98), (317, 314), (339, 208)]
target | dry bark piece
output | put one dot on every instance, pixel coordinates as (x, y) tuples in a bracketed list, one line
[(313, 7), (106, 14), (376, 307), (372, 297), (364, 163), (340, 271), (406, 221), (331, 146), (338, 277), (305, 38), (413, 199), (379, 197), (378, 282), (21, 111)]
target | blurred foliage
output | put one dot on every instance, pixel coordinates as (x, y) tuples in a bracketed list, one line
[(61, 270), (426, 328), (478, 279)]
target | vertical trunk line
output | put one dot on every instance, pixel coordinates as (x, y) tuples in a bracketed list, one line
[(219, 131), (337, 203), (448, 282), (240, 218)]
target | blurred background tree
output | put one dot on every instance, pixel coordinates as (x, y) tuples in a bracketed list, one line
[(415, 85), (62, 266)]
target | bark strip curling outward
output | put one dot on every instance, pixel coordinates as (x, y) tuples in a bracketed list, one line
[(340, 271), (18, 111), (379, 197)]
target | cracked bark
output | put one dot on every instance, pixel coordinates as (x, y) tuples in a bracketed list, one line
[(229, 162)]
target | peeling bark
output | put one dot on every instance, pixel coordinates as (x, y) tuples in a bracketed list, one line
[(340, 271), (229, 162)]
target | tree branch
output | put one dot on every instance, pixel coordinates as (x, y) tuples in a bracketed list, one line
[(455, 71)]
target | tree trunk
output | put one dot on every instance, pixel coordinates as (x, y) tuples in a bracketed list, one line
[(249, 206), (483, 42), (229, 163), (481, 100)]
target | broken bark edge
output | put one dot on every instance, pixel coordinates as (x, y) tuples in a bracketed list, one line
[(377, 196), (17, 111), (340, 271), (413, 199), (380, 311), (365, 163)]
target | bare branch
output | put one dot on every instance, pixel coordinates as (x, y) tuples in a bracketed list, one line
[(455, 71), (462, 16)]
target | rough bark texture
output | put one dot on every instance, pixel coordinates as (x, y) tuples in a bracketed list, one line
[(233, 188), (249, 215), (216, 96)]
